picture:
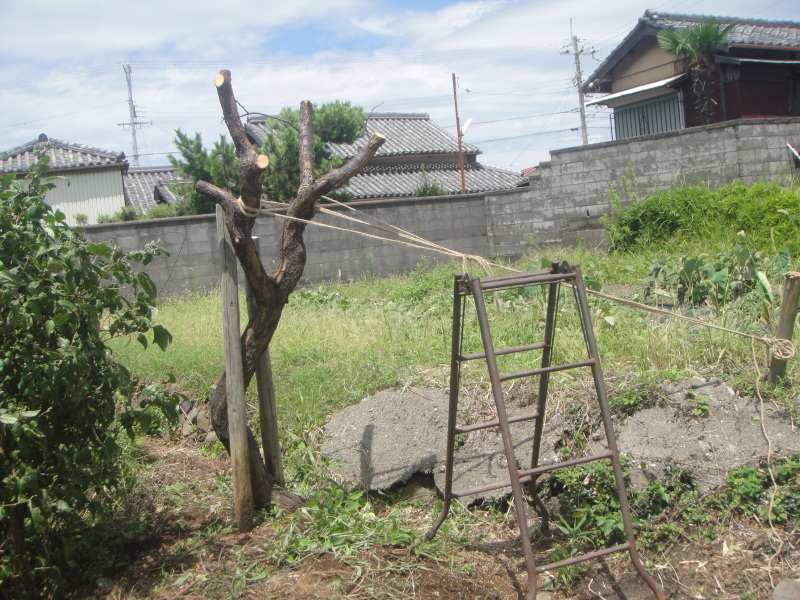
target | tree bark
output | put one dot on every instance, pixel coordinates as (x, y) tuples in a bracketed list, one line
[(270, 291)]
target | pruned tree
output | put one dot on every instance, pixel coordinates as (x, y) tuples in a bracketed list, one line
[(270, 291)]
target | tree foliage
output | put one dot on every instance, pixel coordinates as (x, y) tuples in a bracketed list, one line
[(428, 186), (196, 162), (699, 43), (334, 122), (61, 299)]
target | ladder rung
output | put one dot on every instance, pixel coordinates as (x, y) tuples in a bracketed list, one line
[(489, 424), (526, 476), (481, 490), (525, 279), (501, 351), (564, 465), (582, 558), (553, 369), (512, 276)]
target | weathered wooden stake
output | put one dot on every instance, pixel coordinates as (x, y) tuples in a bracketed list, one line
[(791, 295), (234, 370), (267, 404)]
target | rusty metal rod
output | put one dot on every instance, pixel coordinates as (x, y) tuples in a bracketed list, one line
[(489, 424), (523, 281), (553, 369), (574, 560), (501, 351)]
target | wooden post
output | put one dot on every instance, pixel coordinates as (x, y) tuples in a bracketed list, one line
[(267, 404), (234, 376), (791, 295)]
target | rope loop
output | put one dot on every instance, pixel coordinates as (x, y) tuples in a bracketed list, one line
[(781, 349)]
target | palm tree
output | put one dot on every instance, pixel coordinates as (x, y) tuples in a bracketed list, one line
[(698, 42)]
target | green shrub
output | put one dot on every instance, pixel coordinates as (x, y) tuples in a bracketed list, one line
[(763, 216), (428, 187), (161, 211), (60, 303), (126, 213)]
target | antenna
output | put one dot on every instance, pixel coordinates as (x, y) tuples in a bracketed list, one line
[(133, 122)]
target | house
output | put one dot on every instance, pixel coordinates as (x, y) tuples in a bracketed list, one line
[(89, 179), (416, 150), (757, 71), (92, 182)]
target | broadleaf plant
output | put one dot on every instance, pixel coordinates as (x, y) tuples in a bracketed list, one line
[(61, 299)]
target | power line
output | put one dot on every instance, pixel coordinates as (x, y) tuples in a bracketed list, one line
[(75, 112)]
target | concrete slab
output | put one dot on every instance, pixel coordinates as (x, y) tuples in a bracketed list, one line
[(387, 438), (481, 460), (707, 441)]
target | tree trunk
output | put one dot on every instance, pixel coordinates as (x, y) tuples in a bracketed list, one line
[(270, 291)]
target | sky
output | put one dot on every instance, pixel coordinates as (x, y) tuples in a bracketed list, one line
[(62, 65)]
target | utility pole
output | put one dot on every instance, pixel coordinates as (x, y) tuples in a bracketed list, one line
[(578, 80), (459, 134), (133, 122)]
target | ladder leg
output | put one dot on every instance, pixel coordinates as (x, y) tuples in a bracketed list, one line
[(611, 438), (452, 413), (508, 446), (544, 383)]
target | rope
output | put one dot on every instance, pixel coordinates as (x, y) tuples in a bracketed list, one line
[(781, 349)]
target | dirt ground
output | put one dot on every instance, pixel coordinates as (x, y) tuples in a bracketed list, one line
[(168, 558)]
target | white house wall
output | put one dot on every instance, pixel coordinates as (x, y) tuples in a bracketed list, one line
[(92, 194)]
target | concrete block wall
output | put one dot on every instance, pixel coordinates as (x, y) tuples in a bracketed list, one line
[(563, 204), (570, 194), (456, 222)]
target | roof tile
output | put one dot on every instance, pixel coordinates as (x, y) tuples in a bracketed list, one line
[(143, 184), (63, 156)]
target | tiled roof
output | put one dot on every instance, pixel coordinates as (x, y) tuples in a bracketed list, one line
[(782, 35), (751, 32), (407, 135), (395, 181), (145, 187), (410, 138), (63, 156)]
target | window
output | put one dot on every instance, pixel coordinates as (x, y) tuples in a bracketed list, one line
[(650, 116)]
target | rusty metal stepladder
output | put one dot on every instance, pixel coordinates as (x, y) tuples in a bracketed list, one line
[(553, 278)]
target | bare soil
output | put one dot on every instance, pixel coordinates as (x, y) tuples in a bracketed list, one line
[(184, 549)]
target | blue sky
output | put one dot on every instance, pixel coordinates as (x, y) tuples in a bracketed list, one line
[(62, 64)]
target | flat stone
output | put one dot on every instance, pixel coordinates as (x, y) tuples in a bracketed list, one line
[(203, 422), (187, 428), (387, 438), (788, 589)]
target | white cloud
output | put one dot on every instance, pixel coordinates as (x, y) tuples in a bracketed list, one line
[(62, 64)]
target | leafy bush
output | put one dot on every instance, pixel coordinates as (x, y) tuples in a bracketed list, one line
[(60, 302), (161, 211), (749, 491), (766, 215), (719, 280), (428, 187)]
